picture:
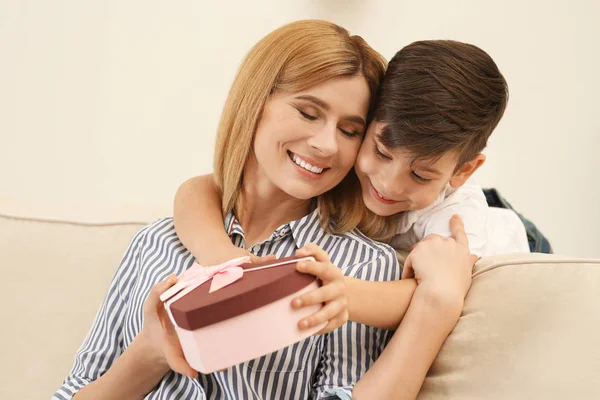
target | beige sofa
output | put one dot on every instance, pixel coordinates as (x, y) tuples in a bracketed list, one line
[(528, 331)]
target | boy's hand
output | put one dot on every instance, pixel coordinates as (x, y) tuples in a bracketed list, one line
[(332, 293), (444, 264)]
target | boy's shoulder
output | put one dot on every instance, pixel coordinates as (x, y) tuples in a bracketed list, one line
[(471, 191), (468, 201), (469, 197)]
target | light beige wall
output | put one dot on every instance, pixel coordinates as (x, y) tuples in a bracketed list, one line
[(116, 102)]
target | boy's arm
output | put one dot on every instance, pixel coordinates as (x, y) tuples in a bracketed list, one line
[(199, 222), (379, 304)]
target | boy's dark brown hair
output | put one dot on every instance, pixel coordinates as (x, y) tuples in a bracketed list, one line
[(439, 96)]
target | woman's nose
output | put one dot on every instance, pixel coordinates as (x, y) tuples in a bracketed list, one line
[(325, 140)]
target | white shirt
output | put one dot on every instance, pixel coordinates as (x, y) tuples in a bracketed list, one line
[(491, 231)]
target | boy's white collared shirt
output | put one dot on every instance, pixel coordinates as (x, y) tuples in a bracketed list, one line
[(490, 231)]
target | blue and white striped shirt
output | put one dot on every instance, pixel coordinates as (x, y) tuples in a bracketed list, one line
[(320, 367)]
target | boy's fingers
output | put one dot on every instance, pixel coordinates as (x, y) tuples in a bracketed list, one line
[(310, 267), (324, 271), (321, 295), (334, 323), (458, 230)]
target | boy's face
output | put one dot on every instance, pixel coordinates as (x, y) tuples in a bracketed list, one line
[(391, 184)]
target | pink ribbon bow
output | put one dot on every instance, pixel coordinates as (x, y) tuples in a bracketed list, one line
[(221, 275)]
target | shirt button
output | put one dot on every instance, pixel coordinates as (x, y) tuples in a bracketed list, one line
[(255, 248), (282, 233)]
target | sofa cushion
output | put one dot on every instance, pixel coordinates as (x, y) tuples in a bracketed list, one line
[(55, 276), (529, 330)]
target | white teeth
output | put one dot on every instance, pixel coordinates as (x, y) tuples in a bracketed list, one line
[(306, 165), (380, 194)]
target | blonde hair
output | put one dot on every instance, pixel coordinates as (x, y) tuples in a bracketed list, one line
[(293, 58)]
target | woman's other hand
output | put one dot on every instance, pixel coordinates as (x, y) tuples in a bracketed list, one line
[(160, 332)]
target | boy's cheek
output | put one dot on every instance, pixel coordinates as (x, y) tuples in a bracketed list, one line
[(428, 196)]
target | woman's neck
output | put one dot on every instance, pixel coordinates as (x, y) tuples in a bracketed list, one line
[(265, 207)]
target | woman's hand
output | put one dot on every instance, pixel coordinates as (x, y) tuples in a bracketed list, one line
[(332, 292), (445, 265), (160, 332)]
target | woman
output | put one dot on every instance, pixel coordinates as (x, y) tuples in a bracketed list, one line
[(131, 351)]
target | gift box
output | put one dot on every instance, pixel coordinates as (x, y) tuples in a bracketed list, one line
[(238, 311)]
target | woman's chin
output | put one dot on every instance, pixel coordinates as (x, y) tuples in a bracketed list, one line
[(303, 191)]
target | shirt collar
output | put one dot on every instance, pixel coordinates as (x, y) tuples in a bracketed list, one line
[(303, 231), (409, 218)]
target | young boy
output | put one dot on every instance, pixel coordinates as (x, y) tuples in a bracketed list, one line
[(437, 106)]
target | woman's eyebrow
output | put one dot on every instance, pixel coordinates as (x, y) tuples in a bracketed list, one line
[(320, 103), (314, 100)]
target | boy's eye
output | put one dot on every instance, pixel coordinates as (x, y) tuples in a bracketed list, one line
[(307, 116), (419, 177), (380, 154)]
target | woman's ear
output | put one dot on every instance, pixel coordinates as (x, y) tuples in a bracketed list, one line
[(465, 171)]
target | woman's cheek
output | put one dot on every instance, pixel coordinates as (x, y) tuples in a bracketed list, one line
[(362, 164)]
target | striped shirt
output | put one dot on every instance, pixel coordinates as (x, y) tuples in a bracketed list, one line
[(319, 367)]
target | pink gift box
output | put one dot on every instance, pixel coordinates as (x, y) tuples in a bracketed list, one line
[(237, 311)]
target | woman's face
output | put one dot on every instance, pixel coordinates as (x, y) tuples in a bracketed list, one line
[(306, 142)]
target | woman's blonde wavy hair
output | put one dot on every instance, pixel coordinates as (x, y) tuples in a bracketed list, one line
[(293, 58)]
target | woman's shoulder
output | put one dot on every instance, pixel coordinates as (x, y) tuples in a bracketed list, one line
[(158, 237), (366, 258), (160, 228), (361, 243), (156, 247)]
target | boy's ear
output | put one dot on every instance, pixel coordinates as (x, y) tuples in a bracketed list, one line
[(465, 171)]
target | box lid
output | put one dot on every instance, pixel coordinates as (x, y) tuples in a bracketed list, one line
[(254, 289)]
